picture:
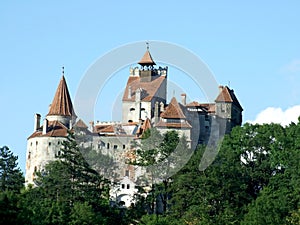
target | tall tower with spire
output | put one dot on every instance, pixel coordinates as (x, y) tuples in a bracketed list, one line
[(44, 144), (146, 85)]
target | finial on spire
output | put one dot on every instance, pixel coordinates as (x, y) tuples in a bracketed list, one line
[(63, 70), (147, 43)]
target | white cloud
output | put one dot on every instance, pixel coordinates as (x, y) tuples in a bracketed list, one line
[(277, 115), (292, 67)]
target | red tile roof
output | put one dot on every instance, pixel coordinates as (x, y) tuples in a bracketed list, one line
[(55, 129), (149, 88), (108, 129), (227, 95), (146, 125), (210, 107), (184, 124), (146, 59), (80, 124), (62, 104), (173, 111)]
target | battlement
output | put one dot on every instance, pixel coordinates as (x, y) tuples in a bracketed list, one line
[(138, 72)]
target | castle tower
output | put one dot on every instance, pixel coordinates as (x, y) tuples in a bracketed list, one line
[(61, 108), (44, 144), (145, 86), (228, 108)]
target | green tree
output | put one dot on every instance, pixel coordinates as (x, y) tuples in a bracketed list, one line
[(66, 189), (11, 177), (11, 183)]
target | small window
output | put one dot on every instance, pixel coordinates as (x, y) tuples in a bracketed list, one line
[(129, 121), (128, 186), (127, 173), (36, 143), (29, 153), (124, 146), (107, 146), (35, 169), (49, 143), (58, 153), (142, 109), (132, 109), (30, 143), (58, 142), (123, 186), (115, 146)]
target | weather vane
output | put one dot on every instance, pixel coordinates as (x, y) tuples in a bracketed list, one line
[(147, 43), (63, 70)]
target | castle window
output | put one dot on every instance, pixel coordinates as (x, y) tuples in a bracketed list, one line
[(49, 143), (223, 108), (115, 146), (142, 109), (107, 146), (58, 142), (128, 186), (58, 153), (132, 109), (123, 186), (124, 146), (129, 121), (36, 143), (35, 169), (127, 173), (30, 143), (29, 155)]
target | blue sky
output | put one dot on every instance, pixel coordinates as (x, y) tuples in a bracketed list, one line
[(254, 46)]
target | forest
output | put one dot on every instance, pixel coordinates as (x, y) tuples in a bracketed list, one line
[(254, 180)]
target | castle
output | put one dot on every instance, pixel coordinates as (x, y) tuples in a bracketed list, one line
[(144, 105)]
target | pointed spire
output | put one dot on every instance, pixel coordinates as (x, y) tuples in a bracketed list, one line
[(62, 104), (147, 60)]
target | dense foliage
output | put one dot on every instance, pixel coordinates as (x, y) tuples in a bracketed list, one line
[(255, 179)]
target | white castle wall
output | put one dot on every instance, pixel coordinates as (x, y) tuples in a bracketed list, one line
[(40, 150)]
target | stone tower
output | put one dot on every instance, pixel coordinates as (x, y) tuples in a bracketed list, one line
[(145, 86), (45, 142)]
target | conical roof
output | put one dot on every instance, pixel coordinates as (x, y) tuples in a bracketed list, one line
[(147, 60), (62, 104), (173, 111)]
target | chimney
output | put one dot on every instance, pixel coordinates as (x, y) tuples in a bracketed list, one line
[(162, 107), (45, 126), (138, 94), (92, 126), (37, 121), (129, 92), (71, 124), (183, 99)]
